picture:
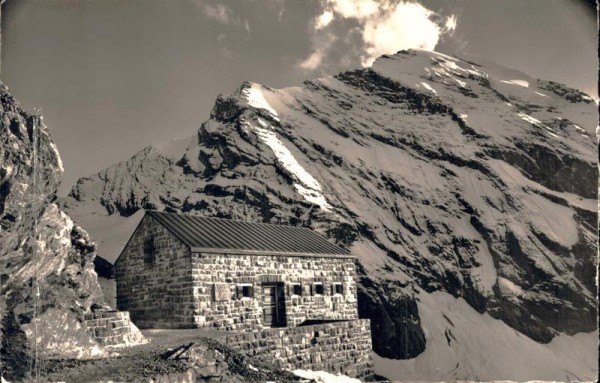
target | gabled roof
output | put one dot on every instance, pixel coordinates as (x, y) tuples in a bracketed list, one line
[(219, 235)]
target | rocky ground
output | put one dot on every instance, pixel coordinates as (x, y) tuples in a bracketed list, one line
[(168, 359)]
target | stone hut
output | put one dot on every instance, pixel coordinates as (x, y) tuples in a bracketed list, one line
[(183, 271), (284, 293)]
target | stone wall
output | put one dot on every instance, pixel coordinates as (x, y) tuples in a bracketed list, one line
[(159, 294), (182, 290), (113, 328), (338, 347), (222, 273)]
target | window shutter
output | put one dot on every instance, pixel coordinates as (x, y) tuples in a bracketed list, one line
[(239, 291), (251, 291)]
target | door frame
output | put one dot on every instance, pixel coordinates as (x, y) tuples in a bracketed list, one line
[(279, 319)]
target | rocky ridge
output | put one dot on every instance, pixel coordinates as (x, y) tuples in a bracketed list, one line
[(46, 260)]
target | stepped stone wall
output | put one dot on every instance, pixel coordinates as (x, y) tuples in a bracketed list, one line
[(113, 328), (343, 347)]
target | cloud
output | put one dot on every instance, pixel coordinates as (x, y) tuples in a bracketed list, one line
[(222, 13), (450, 23), (313, 61), (279, 7), (218, 12), (386, 26), (324, 19)]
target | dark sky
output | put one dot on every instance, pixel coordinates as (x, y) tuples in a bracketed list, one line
[(113, 76)]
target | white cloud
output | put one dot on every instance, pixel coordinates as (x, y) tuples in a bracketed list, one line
[(324, 19), (451, 23), (218, 12), (354, 8), (387, 26), (221, 13), (313, 61)]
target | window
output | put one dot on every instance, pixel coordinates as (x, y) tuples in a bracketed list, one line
[(337, 288), (244, 290), (296, 289), (149, 252), (317, 288)]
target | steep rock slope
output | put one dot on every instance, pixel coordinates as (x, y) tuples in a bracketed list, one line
[(439, 173), (46, 261)]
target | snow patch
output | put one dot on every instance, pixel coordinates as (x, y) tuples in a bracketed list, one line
[(307, 185), (461, 83), (60, 163), (531, 120), (428, 87), (538, 123), (540, 94), (464, 345), (523, 83), (508, 287), (454, 68), (324, 377), (449, 67), (582, 131), (256, 99), (313, 197)]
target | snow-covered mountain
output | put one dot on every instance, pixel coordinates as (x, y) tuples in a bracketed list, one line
[(442, 175)]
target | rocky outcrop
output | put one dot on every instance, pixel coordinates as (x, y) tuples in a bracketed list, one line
[(48, 280), (440, 174)]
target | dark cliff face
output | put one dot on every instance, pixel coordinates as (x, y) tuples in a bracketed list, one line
[(46, 260), (438, 173)]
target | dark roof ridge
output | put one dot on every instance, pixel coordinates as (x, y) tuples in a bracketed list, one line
[(231, 220), (196, 232)]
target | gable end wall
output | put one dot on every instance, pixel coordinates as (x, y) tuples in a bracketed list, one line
[(159, 296)]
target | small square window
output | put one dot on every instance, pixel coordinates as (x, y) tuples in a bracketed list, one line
[(317, 288), (296, 289), (244, 290), (337, 288)]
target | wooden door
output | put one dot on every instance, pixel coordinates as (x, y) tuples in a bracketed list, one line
[(273, 305)]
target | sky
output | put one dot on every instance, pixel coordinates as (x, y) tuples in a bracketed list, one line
[(114, 76)]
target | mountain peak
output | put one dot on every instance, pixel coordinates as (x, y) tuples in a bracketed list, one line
[(439, 173)]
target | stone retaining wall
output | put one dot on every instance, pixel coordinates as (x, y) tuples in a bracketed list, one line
[(337, 347), (113, 328)]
